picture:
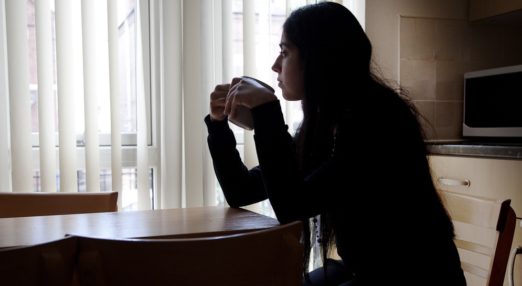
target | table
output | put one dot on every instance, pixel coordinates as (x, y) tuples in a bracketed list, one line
[(182, 222)]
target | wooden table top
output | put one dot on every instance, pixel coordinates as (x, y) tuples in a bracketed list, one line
[(186, 222)]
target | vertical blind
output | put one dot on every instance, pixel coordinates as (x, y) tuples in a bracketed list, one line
[(112, 27), (46, 108), (82, 71), (183, 49), (20, 116), (142, 77), (5, 172), (68, 81)]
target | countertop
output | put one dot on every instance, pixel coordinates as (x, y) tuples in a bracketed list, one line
[(472, 148)]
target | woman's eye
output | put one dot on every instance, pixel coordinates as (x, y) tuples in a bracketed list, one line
[(283, 53)]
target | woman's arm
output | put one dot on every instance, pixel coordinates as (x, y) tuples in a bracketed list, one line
[(293, 195), (240, 186)]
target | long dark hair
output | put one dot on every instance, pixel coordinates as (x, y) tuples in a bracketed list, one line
[(334, 50)]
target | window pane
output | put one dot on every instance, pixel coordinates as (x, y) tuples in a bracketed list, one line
[(127, 72), (126, 20)]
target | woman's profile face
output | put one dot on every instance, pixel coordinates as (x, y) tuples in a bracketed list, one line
[(290, 73)]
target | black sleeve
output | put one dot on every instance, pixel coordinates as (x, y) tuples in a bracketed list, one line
[(293, 195), (240, 186)]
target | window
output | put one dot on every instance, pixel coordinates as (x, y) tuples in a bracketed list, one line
[(161, 66), (127, 54)]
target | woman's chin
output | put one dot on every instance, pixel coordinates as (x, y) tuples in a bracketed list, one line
[(290, 96)]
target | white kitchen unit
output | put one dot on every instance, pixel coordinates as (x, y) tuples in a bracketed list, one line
[(487, 177)]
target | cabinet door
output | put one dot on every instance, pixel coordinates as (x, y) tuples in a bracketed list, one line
[(492, 178)]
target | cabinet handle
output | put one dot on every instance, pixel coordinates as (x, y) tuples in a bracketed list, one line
[(454, 182)]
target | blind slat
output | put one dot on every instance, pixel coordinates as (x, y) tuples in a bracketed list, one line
[(227, 39), (249, 37), (45, 96), (171, 144), (249, 66), (144, 201), (5, 175), (95, 53), (211, 74), (194, 107), (67, 65), (20, 109), (116, 155)]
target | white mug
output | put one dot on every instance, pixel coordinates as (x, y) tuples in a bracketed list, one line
[(242, 116)]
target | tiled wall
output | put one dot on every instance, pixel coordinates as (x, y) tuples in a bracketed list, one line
[(427, 45), (434, 53)]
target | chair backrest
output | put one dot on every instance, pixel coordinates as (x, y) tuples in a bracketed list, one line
[(511, 264), (51, 263), (17, 204), (484, 230), (265, 257)]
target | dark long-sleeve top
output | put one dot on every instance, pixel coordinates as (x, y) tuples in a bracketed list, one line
[(377, 190)]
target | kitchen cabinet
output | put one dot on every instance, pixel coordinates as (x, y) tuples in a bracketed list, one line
[(492, 178), (482, 9)]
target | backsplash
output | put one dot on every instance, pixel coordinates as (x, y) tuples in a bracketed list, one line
[(434, 53)]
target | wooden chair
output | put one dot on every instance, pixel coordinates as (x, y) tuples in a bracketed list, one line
[(51, 263), (511, 264), (265, 257), (484, 230), (16, 204)]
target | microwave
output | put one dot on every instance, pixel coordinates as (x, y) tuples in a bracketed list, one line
[(493, 103)]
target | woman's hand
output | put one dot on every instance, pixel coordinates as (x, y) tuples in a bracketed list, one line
[(217, 102), (247, 92)]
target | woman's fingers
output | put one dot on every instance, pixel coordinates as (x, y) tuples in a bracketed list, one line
[(247, 93), (220, 90), (216, 109), (235, 81), (217, 101), (232, 94), (228, 101)]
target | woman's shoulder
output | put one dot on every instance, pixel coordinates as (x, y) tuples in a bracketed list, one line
[(383, 114), (374, 108)]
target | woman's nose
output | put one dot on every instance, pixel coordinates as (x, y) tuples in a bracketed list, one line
[(276, 66)]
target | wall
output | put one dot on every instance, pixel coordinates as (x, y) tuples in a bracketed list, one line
[(427, 45)]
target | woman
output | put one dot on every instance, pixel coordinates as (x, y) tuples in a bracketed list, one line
[(358, 159)]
